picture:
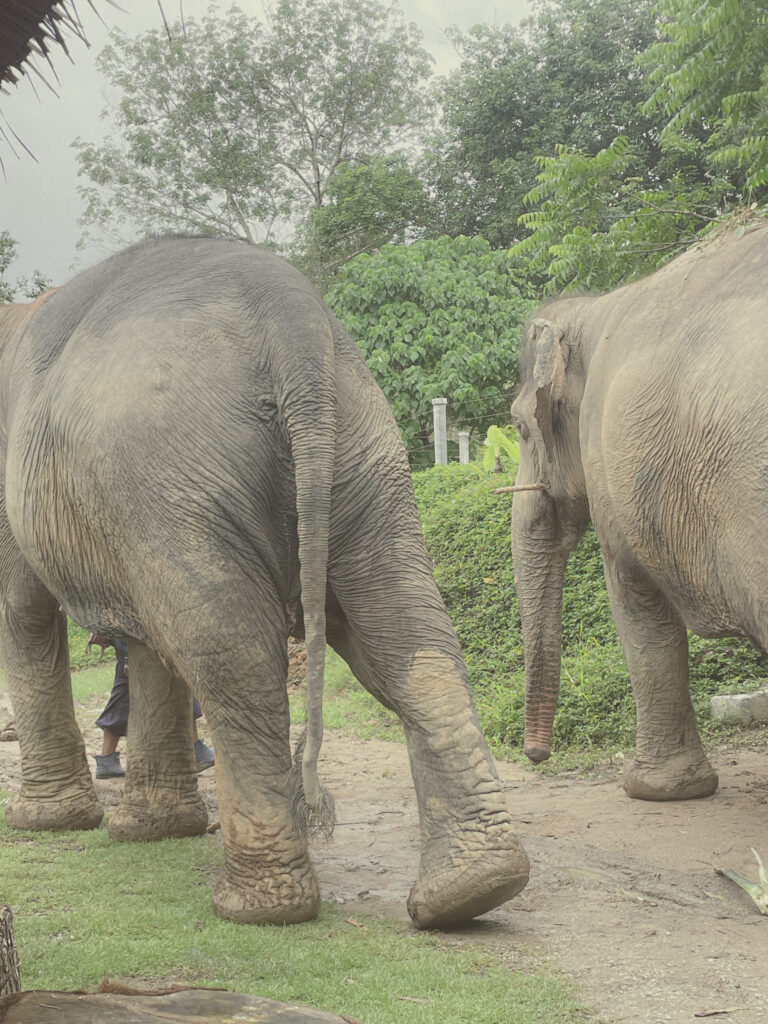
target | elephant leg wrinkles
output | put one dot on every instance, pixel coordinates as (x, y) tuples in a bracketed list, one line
[(161, 799), (669, 763), (241, 684), (57, 790), (471, 860)]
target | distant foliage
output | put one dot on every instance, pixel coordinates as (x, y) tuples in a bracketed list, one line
[(231, 126), (29, 288), (369, 202), (566, 76), (710, 73), (594, 224), (7, 256), (436, 319), (500, 442)]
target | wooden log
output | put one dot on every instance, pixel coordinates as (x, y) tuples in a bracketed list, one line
[(188, 1007), (10, 980)]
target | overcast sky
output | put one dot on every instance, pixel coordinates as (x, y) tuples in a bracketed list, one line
[(39, 204)]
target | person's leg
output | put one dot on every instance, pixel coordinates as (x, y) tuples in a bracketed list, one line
[(113, 721), (204, 756), (109, 743)]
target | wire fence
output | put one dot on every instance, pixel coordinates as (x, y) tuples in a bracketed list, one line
[(445, 442)]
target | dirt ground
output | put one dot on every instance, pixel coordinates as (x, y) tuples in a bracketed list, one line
[(623, 896)]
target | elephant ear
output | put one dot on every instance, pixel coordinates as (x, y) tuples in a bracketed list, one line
[(549, 378)]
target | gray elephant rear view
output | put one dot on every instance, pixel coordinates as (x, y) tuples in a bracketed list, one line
[(194, 453), (645, 410)]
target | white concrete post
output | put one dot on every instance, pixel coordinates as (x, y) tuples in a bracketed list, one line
[(439, 406), (464, 447)]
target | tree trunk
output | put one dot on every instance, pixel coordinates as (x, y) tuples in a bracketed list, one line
[(10, 980)]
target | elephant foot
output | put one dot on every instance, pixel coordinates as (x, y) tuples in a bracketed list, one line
[(76, 813), (290, 898), (137, 820), (470, 884), (677, 778)]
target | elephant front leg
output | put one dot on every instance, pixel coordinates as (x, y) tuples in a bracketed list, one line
[(669, 762), (57, 790), (161, 799)]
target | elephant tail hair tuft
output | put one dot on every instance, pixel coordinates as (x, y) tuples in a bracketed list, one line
[(310, 820)]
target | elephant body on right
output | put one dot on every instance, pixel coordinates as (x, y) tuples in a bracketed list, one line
[(644, 411)]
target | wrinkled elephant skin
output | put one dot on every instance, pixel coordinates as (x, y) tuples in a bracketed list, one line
[(197, 460), (644, 411)]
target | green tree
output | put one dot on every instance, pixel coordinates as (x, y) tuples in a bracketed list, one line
[(33, 286), (594, 224), (7, 256), (369, 202), (30, 288), (438, 318), (566, 77), (710, 72), (232, 127)]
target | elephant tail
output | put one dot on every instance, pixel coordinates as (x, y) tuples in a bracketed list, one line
[(305, 375)]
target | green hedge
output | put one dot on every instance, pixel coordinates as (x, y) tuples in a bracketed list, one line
[(467, 530)]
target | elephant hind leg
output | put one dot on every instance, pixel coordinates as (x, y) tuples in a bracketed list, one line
[(669, 762), (471, 859), (241, 682), (161, 798), (57, 790)]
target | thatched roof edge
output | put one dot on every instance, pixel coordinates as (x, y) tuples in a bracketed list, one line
[(30, 29)]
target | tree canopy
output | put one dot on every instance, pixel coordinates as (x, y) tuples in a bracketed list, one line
[(565, 77), (369, 203), (232, 126), (30, 288), (593, 141), (710, 73)]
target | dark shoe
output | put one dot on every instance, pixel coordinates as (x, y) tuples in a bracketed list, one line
[(203, 756), (108, 766)]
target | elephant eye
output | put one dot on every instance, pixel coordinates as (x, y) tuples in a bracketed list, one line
[(521, 428)]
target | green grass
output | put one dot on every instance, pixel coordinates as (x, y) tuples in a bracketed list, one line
[(88, 682), (348, 706), (86, 907)]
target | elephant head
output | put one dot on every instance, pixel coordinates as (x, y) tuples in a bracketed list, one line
[(546, 523)]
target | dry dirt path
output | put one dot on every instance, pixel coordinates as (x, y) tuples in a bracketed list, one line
[(622, 897)]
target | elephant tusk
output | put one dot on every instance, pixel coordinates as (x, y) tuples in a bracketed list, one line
[(520, 487)]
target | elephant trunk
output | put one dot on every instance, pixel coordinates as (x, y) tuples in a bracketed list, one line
[(540, 564)]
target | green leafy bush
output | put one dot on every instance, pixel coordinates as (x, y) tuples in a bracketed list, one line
[(78, 641), (434, 319)]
